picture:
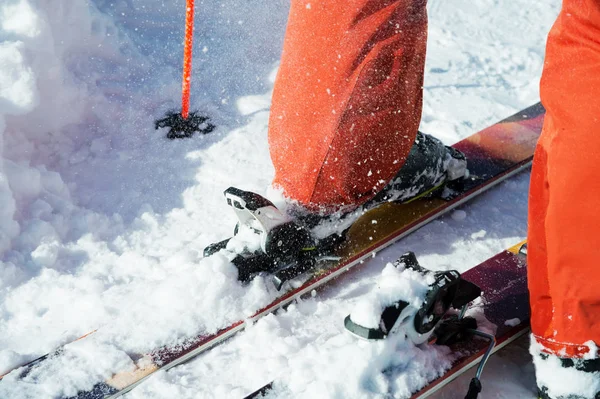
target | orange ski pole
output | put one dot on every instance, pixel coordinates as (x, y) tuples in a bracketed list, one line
[(187, 59), (185, 124)]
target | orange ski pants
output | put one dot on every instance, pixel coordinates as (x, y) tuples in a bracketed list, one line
[(347, 99), (564, 200)]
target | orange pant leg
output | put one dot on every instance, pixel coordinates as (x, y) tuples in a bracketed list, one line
[(347, 100), (564, 215)]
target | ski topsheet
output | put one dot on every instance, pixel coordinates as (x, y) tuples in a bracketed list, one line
[(494, 154)]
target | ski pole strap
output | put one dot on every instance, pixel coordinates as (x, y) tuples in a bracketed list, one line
[(474, 389)]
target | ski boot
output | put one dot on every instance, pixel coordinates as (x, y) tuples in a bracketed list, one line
[(588, 369), (277, 244), (430, 168)]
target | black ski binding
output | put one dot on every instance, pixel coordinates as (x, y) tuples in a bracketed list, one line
[(432, 321), (287, 249), (448, 291)]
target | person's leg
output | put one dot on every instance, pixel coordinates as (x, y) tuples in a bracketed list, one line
[(564, 214), (347, 100)]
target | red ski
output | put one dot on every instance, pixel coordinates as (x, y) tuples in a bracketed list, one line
[(503, 279)]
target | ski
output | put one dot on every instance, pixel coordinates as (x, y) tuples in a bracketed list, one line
[(493, 155), (501, 281)]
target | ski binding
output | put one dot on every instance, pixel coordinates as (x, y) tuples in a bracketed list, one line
[(431, 321), (286, 248)]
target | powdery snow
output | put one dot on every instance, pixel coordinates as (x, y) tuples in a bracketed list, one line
[(563, 381), (393, 285), (103, 220)]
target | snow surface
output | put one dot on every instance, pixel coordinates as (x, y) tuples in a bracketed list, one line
[(103, 220)]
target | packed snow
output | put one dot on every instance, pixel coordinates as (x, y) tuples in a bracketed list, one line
[(103, 220)]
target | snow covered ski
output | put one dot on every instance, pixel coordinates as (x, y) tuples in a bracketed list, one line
[(498, 318), (493, 155), (503, 280)]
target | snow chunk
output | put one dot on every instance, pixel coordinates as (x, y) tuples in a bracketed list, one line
[(246, 239), (45, 254), (10, 359), (393, 285), (512, 322), (9, 228), (479, 234), (459, 215), (18, 91), (19, 18)]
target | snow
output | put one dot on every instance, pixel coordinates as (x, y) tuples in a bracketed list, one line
[(512, 322), (103, 220), (552, 374), (394, 284), (459, 215)]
